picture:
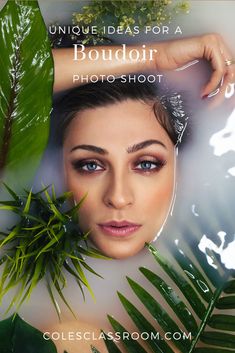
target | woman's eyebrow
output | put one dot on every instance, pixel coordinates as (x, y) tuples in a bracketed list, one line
[(91, 148), (138, 146)]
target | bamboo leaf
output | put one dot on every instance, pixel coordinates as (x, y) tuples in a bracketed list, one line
[(3, 259), (39, 247), (31, 217), (71, 271), (73, 211), (19, 300), (56, 305), (53, 193), (11, 192), (81, 289), (13, 281), (51, 243), (56, 284), (172, 299), (83, 277), (57, 213), (28, 202), (24, 68), (62, 198), (70, 256), (37, 274), (22, 291), (8, 208), (92, 253), (9, 203), (87, 267), (58, 275), (12, 234)]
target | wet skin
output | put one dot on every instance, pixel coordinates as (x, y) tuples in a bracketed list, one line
[(123, 159)]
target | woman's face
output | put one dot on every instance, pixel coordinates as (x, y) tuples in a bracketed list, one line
[(124, 161)]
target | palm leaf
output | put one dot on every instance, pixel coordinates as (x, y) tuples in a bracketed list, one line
[(17, 336), (199, 328), (111, 345), (144, 326), (26, 75), (132, 345), (94, 350)]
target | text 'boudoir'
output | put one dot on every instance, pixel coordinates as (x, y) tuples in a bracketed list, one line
[(120, 54)]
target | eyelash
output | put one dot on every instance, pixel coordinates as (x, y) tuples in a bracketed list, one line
[(155, 165), (80, 164)]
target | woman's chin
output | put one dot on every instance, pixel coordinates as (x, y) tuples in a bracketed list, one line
[(119, 251)]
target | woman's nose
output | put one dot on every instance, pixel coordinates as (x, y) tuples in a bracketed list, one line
[(118, 193)]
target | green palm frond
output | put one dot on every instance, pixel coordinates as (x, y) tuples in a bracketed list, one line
[(199, 304), (44, 243)]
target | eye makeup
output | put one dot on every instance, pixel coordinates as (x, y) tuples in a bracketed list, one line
[(87, 166), (149, 164), (144, 164)]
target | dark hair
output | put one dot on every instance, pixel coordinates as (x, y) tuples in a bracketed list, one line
[(167, 107)]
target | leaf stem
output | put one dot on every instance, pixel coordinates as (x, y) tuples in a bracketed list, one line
[(209, 310), (8, 117)]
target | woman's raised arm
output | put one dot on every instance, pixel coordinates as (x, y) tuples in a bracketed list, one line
[(166, 55)]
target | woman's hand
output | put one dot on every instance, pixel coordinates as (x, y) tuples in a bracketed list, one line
[(177, 53)]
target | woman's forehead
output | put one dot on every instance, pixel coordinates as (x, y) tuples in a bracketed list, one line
[(120, 116), (124, 123)]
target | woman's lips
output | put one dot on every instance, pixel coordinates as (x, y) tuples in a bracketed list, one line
[(119, 229)]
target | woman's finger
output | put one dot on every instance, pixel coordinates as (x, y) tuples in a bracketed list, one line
[(228, 59), (212, 53), (226, 91), (222, 63)]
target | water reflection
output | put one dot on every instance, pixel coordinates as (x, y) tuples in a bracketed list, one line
[(226, 252), (223, 141)]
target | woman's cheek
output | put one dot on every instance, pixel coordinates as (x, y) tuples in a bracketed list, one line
[(157, 196), (77, 186)]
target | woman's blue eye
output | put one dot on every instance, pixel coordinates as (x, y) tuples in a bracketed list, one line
[(147, 165), (87, 166), (90, 166)]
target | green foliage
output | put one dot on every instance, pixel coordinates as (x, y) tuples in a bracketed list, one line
[(127, 14), (193, 305), (94, 350), (44, 241), (16, 336), (26, 76)]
